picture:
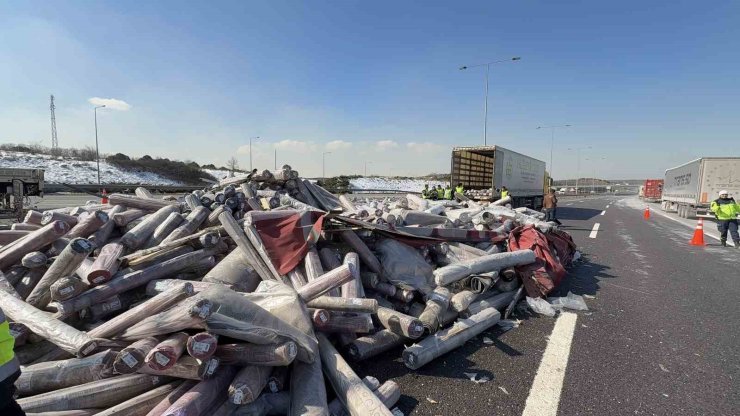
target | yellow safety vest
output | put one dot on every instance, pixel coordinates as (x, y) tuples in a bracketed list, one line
[(459, 189), (8, 363), (448, 193), (504, 194)]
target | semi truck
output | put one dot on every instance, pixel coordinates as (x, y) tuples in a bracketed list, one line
[(689, 189), (652, 190), (15, 186), (491, 167)]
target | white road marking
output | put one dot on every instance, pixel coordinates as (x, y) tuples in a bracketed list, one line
[(666, 215), (594, 230), (544, 396), (603, 212), (607, 206)]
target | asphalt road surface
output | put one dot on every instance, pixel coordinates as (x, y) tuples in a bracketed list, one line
[(660, 336)]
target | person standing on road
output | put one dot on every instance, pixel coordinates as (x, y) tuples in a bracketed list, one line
[(10, 370), (549, 205), (726, 211), (504, 192), (440, 192)]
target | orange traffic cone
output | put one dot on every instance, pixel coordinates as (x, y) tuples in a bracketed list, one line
[(698, 238), (646, 215), (104, 200)]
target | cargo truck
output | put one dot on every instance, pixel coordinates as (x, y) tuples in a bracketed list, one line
[(15, 186), (652, 190), (689, 189), (491, 167)]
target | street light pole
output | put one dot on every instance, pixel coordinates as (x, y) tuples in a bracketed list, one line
[(250, 152), (97, 150), (485, 104), (578, 165), (552, 140), (323, 164), (366, 163)]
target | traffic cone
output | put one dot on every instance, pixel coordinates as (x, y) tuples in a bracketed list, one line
[(698, 238), (646, 215), (104, 200)]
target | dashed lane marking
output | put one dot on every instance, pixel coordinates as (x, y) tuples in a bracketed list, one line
[(594, 231), (544, 396), (603, 212)]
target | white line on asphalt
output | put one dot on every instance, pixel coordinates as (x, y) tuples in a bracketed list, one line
[(544, 396), (603, 212), (666, 215), (607, 206), (594, 231)]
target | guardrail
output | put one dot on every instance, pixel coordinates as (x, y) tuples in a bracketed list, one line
[(116, 187)]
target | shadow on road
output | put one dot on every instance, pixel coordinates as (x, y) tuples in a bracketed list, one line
[(579, 214), (583, 279)]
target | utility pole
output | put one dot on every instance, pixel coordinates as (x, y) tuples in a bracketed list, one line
[(97, 151), (366, 163), (250, 152), (578, 165), (552, 140), (54, 140), (323, 164), (485, 103), (275, 159)]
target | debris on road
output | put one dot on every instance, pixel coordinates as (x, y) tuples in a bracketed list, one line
[(248, 297)]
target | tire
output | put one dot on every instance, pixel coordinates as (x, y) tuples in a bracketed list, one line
[(680, 211), (690, 213)]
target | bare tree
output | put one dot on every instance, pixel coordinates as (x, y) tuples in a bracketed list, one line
[(232, 164)]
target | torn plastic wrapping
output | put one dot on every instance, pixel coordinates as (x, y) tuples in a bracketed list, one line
[(404, 266), (189, 313), (263, 318)]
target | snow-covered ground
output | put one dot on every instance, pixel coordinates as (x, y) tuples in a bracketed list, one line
[(220, 174), (61, 170), (413, 185)]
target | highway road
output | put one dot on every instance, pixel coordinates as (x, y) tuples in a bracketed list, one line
[(660, 336)]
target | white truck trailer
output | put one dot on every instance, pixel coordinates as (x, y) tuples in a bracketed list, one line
[(491, 167), (689, 189)]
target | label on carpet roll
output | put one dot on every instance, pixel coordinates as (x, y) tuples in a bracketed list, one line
[(129, 360), (201, 346), (161, 359)]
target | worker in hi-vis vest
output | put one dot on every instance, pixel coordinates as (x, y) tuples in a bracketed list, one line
[(448, 193), (726, 210), (10, 370), (504, 192)]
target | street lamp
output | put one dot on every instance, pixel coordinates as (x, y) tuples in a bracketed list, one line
[(593, 180), (97, 151), (552, 140), (485, 107), (250, 152), (366, 163), (323, 164), (578, 166)]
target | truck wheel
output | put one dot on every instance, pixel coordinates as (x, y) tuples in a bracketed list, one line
[(690, 212)]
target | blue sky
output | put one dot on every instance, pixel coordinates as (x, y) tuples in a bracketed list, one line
[(647, 85)]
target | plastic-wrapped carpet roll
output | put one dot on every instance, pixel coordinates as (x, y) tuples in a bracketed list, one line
[(97, 394), (54, 375), (267, 355)]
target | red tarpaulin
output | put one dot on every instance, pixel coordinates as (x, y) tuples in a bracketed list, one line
[(545, 274), (288, 238)]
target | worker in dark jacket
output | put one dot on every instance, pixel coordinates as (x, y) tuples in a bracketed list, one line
[(10, 370), (726, 210)]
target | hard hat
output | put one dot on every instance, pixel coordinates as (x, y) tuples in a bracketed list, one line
[(723, 192)]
